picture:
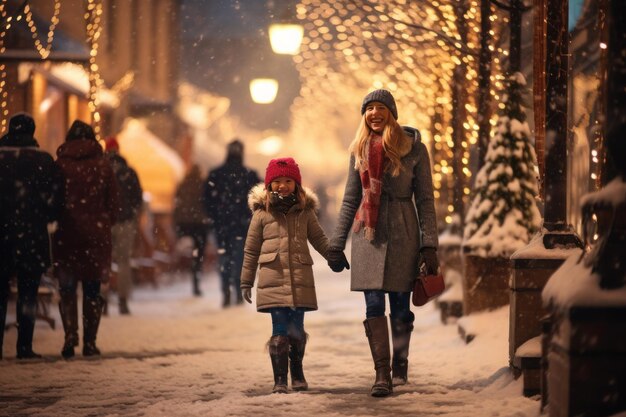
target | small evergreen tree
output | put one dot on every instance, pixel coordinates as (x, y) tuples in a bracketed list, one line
[(504, 215)]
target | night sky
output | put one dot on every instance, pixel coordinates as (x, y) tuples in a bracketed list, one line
[(225, 45)]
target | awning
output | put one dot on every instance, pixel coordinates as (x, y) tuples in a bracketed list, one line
[(158, 166)]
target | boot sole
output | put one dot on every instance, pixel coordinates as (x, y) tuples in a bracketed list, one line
[(380, 393), (398, 381), (279, 390)]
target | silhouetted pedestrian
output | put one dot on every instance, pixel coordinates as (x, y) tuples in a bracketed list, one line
[(191, 220), (124, 231), (82, 243), (226, 201), (31, 193)]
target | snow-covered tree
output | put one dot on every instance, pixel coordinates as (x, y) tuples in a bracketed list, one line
[(503, 214)]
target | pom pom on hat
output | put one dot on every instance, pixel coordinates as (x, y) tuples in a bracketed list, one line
[(111, 144), (282, 167), (382, 96)]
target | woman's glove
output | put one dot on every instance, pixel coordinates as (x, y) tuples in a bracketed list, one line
[(429, 263), (337, 260), (246, 293)]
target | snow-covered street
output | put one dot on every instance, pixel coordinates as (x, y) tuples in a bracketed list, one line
[(177, 355)]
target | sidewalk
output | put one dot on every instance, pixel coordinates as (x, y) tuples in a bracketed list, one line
[(177, 355)]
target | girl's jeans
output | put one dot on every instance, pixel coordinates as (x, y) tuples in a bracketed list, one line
[(287, 321)]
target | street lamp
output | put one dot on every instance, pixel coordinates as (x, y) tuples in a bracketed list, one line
[(263, 90), (286, 38), (270, 145)]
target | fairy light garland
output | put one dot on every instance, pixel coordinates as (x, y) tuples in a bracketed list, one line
[(92, 17), (354, 45), (4, 111), (44, 51)]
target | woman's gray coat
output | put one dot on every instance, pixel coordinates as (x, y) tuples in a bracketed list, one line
[(390, 261)]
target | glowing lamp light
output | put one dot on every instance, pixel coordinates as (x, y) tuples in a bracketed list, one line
[(263, 90), (269, 146), (286, 38)]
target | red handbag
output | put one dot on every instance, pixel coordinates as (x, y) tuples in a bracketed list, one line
[(426, 288)]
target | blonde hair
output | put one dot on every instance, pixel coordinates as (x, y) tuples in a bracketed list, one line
[(395, 145), (300, 194)]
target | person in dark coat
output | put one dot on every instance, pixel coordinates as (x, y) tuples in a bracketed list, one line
[(30, 197), (190, 219), (389, 205), (81, 246), (226, 202), (124, 231)]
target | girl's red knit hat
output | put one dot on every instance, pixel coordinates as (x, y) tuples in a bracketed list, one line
[(282, 167)]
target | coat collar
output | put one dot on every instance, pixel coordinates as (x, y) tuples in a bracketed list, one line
[(258, 194)]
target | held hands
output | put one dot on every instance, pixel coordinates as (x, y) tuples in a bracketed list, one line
[(246, 293), (337, 260), (429, 263)]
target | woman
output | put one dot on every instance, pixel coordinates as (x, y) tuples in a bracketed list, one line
[(389, 202), (82, 243)]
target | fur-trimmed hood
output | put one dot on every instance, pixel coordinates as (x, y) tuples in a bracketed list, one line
[(258, 194)]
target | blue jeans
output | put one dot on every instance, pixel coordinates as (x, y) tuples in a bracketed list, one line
[(399, 304), (287, 321)]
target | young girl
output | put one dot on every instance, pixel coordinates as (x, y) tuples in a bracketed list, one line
[(283, 221)]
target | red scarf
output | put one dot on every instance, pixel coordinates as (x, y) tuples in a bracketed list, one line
[(371, 172)]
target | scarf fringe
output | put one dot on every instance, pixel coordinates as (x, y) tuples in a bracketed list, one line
[(370, 232)]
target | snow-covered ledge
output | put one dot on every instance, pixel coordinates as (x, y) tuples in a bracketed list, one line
[(586, 350), (575, 284), (537, 250)]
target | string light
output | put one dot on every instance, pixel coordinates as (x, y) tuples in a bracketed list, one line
[(350, 47), (44, 51), (92, 20), (4, 112), (54, 21)]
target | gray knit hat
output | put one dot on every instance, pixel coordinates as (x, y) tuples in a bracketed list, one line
[(382, 96)]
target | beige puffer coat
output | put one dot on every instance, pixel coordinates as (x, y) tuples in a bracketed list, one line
[(277, 245)]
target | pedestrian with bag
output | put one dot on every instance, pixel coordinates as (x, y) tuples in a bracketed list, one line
[(191, 220), (284, 219), (124, 231), (31, 195), (389, 205), (81, 245)]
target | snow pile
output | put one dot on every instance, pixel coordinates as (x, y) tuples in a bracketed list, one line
[(536, 249), (573, 284)]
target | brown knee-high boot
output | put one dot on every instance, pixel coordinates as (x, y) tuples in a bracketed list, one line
[(400, 337), (296, 354), (279, 354), (377, 332), (69, 316), (92, 311)]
